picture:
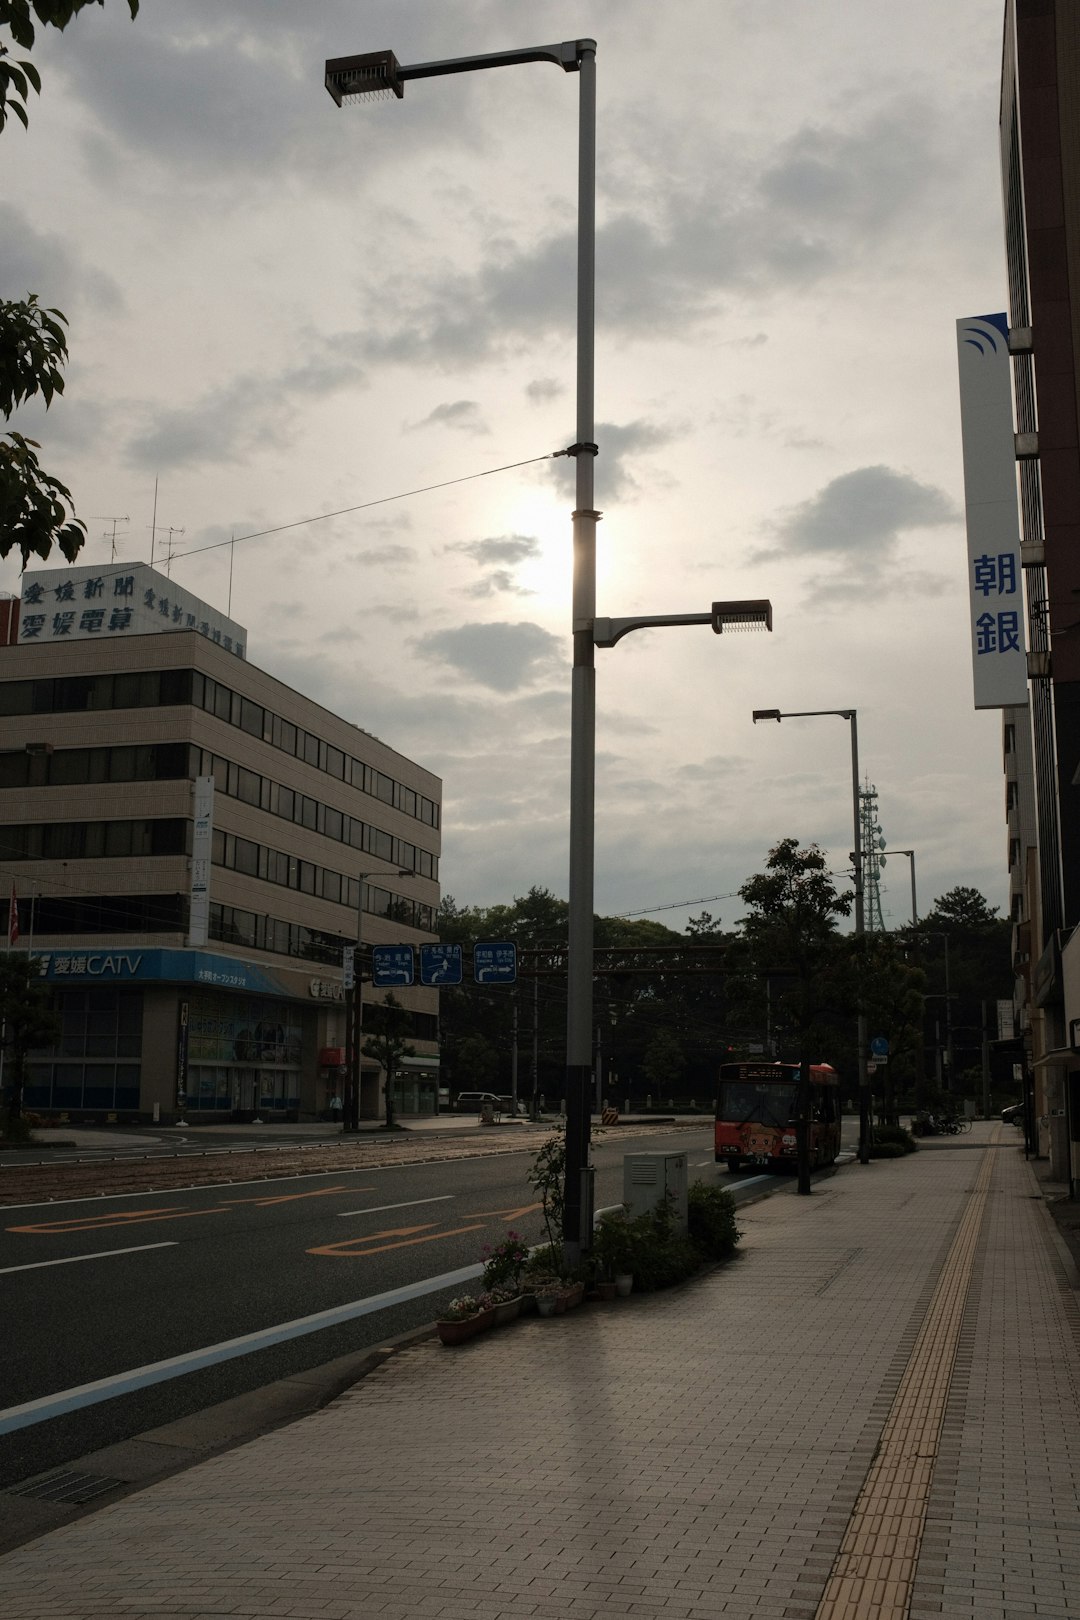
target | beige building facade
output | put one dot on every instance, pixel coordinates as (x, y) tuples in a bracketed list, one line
[(193, 987)]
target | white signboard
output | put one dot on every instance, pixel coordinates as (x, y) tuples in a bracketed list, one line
[(121, 599), (995, 577), (201, 851)]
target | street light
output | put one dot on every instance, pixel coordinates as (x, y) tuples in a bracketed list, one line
[(910, 853), (850, 715), (354, 997), (379, 75)]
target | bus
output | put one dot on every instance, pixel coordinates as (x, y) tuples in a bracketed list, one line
[(756, 1110)]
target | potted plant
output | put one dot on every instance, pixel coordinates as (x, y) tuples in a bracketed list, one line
[(613, 1251), (461, 1320), (506, 1303), (504, 1263)]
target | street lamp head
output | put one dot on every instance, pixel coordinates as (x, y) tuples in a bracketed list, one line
[(767, 714), (752, 615), (371, 76)]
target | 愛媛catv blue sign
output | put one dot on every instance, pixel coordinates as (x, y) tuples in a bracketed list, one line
[(440, 964), (391, 965), (172, 967), (495, 962)]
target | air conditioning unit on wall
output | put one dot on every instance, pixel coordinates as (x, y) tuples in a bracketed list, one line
[(649, 1178)]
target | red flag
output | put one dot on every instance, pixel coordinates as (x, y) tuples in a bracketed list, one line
[(13, 919)]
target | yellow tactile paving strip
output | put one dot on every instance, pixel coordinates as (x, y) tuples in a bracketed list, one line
[(875, 1568)]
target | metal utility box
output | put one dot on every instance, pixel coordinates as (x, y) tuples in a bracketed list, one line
[(648, 1178)]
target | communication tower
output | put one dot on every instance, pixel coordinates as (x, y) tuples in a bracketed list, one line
[(871, 846)]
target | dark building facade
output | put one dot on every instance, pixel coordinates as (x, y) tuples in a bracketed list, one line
[(210, 985)]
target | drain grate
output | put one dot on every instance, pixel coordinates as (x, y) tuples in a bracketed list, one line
[(68, 1486)]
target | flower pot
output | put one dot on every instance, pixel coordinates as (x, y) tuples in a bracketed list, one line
[(485, 1319), (507, 1310), (573, 1295), (605, 1290), (623, 1284), (458, 1331), (546, 1304)]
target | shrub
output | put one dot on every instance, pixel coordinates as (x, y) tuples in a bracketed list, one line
[(896, 1134), (19, 1129), (503, 1262), (713, 1229), (887, 1150)]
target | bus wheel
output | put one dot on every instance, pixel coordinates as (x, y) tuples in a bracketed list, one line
[(733, 1165)]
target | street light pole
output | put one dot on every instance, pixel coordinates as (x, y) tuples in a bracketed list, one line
[(378, 74), (910, 853), (851, 715), (354, 998)]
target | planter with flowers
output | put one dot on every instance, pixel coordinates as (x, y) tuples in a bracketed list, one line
[(464, 1318)]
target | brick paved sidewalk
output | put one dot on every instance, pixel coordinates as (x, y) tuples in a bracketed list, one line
[(678, 1457)]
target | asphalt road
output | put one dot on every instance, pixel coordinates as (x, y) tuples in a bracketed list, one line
[(100, 1288)]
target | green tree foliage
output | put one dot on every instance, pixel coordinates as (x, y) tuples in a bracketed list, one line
[(787, 971), (386, 1022), (27, 1021), (17, 79), (35, 507), (963, 941)]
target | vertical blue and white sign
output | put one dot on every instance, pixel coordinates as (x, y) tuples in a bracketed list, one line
[(201, 851), (995, 576)]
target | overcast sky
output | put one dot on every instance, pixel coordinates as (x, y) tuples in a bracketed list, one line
[(279, 309)]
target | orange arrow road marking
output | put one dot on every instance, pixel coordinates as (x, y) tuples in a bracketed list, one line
[(351, 1248), (126, 1217), (503, 1214), (292, 1198)]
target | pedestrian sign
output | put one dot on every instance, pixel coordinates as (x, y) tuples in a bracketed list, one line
[(440, 964), (495, 962), (391, 964)]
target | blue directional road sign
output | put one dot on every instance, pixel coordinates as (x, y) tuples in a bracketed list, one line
[(391, 964), (440, 964), (879, 1047), (495, 962)]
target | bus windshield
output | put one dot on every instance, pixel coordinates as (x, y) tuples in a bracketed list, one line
[(765, 1102)]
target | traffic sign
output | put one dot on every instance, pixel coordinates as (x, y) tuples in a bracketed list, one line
[(879, 1046), (391, 964), (440, 964), (495, 962), (348, 967)]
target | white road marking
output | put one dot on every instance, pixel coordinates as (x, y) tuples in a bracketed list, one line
[(378, 1209), (158, 1372), (73, 1259)]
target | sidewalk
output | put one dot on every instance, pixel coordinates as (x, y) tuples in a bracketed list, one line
[(832, 1426)]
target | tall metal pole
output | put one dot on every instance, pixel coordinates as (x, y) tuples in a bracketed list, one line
[(860, 929), (576, 1211), (910, 853)]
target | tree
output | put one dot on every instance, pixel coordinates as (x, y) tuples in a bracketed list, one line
[(27, 1022), (785, 965), (34, 505), (387, 1021)]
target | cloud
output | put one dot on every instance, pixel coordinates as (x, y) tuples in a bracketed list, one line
[(383, 557), (542, 389), (501, 656), (498, 556), (253, 410), (461, 414), (621, 443), (42, 262), (862, 515)]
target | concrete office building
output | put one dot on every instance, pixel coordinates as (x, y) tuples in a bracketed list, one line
[(194, 937), (1040, 163)]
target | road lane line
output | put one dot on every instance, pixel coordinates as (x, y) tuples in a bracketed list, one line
[(378, 1208), (158, 1372), (73, 1259), (126, 1218)]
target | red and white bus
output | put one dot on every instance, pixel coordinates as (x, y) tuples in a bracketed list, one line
[(756, 1111)]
